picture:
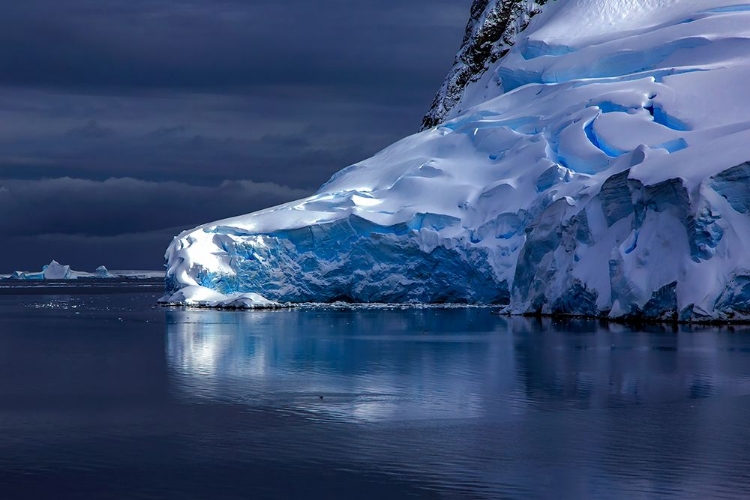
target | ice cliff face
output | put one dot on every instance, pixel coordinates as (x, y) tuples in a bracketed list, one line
[(606, 172), (491, 32)]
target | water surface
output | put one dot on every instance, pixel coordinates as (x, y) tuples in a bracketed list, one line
[(106, 395)]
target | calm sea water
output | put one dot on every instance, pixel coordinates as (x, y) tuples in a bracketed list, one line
[(104, 395)]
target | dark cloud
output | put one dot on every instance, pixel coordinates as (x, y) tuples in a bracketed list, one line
[(196, 154), (125, 119), (225, 45), (77, 219), (117, 206), (91, 130)]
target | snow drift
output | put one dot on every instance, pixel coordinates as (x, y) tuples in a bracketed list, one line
[(599, 166)]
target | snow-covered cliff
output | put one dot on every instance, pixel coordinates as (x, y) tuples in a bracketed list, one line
[(604, 172)]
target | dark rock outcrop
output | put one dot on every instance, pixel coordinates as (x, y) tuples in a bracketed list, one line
[(491, 32)]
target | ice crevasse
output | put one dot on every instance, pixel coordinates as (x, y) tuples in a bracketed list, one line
[(599, 165)]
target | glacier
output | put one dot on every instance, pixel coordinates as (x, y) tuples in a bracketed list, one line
[(594, 162)]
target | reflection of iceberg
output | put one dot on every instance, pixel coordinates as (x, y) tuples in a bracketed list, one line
[(211, 345), (388, 369), (416, 364), (462, 397)]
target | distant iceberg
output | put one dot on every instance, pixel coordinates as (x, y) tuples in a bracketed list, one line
[(56, 271), (102, 272), (52, 271)]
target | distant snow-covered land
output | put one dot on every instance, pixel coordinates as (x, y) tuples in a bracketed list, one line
[(594, 161)]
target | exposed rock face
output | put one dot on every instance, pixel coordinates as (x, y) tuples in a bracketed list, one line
[(492, 30)]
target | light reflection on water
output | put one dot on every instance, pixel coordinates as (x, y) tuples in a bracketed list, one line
[(443, 364), (374, 365), (116, 398), (489, 405)]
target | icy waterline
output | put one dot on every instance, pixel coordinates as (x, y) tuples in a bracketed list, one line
[(195, 298), (592, 172), (500, 311), (325, 306), (202, 297)]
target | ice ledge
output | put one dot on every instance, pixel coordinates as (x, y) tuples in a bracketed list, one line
[(200, 296)]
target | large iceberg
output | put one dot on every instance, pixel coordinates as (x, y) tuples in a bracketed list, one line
[(598, 164)]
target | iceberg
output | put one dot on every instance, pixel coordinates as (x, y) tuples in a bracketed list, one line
[(56, 271), (52, 271), (102, 272), (593, 161)]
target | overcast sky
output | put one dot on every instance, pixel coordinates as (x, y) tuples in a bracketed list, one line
[(127, 121)]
